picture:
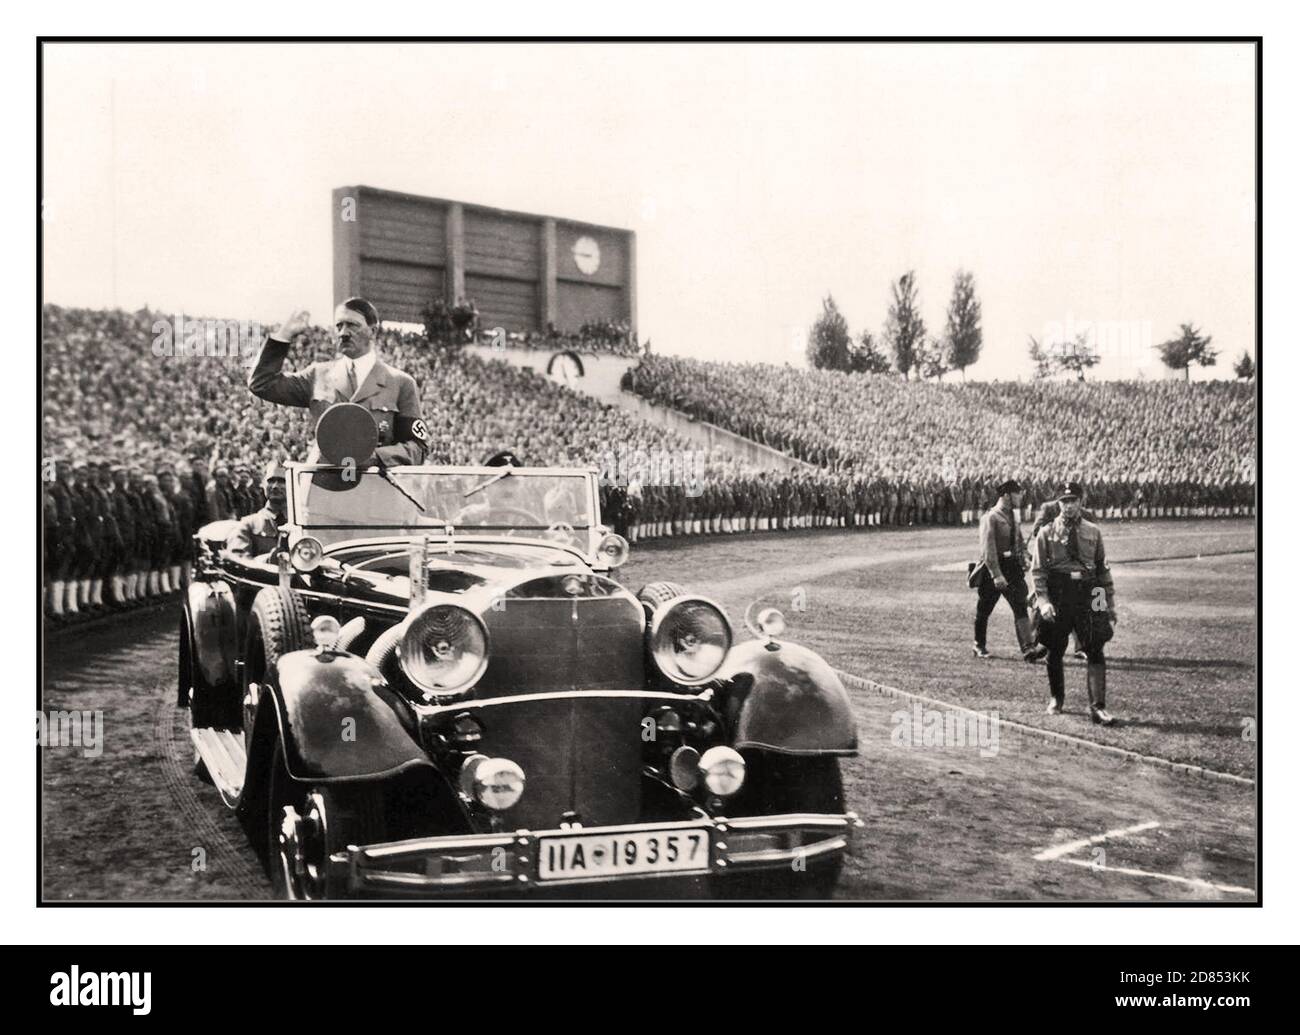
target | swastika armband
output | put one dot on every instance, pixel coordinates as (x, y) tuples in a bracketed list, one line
[(408, 428)]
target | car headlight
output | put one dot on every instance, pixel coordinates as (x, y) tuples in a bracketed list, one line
[(689, 639), (444, 649), (325, 631)]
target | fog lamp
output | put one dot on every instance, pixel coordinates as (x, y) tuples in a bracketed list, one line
[(497, 783), (325, 631), (723, 770), (684, 768)]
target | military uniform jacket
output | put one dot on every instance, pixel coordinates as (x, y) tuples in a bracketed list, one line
[(124, 513), (220, 502), (1000, 541), (255, 535), (1051, 556), (389, 394)]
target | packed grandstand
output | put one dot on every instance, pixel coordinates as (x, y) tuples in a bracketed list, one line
[(143, 447)]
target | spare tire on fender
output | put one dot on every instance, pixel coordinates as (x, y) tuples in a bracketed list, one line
[(278, 624), (655, 594)]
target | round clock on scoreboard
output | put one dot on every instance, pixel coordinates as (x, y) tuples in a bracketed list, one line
[(586, 253)]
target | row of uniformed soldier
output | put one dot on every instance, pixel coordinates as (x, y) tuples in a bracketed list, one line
[(115, 536), (770, 501)]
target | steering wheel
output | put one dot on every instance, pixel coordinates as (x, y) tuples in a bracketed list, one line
[(529, 517)]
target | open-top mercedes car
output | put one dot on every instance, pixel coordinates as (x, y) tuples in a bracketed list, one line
[(434, 686)]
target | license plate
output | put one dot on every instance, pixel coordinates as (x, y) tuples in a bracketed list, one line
[(577, 856)]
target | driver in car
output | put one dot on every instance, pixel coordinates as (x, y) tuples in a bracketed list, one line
[(508, 496), (258, 534)]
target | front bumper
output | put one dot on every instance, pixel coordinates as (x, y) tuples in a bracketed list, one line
[(510, 862)]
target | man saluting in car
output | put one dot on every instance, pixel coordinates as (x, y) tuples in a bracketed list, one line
[(357, 375)]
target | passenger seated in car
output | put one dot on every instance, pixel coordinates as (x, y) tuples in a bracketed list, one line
[(506, 496), (258, 534)]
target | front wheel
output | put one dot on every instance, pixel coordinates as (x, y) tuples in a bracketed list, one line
[(308, 824)]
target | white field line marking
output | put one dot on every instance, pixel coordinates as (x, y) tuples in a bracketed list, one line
[(850, 679), (1193, 881), (1048, 854), (958, 566)]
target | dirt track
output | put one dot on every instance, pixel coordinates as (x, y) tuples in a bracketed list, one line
[(942, 823)]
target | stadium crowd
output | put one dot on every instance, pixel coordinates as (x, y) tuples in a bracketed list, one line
[(457, 323), (145, 443), (1164, 444), (592, 338)]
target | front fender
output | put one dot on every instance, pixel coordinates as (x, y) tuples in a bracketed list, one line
[(211, 610), (785, 698), (333, 722)]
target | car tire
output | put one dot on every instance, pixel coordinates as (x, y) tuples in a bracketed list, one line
[(656, 594), (776, 784), (354, 815), (278, 624)]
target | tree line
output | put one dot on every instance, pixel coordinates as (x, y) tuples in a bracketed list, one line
[(910, 347), (906, 347)]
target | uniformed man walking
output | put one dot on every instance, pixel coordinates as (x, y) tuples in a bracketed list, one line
[(357, 375), (1003, 560), (1075, 594)]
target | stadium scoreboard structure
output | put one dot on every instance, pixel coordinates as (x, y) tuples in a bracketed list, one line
[(523, 271)]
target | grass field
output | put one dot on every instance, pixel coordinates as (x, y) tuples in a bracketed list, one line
[(941, 824), (893, 606)]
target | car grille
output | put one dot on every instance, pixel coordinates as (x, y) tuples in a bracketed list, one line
[(580, 755), (581, 643)]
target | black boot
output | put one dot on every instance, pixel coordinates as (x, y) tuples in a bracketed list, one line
[(1055, 684), (1097, 694), (1029, 650)]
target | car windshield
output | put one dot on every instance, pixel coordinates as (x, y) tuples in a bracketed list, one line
[(543, 505)]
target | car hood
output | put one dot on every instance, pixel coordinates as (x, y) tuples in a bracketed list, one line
[(478, 569)]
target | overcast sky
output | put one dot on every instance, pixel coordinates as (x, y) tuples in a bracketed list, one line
[(1078, 183)]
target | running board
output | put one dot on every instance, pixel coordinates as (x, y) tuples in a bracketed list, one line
[(222, 751)]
